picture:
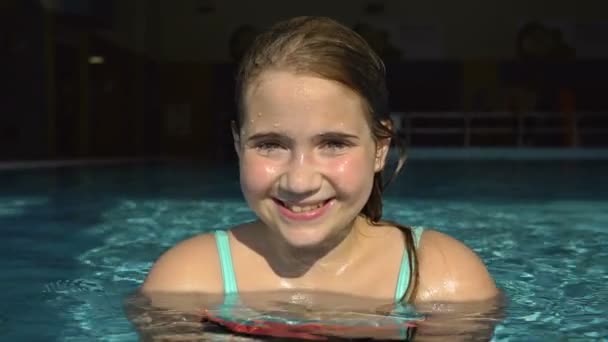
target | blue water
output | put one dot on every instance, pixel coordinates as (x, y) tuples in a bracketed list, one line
[(77, 240)]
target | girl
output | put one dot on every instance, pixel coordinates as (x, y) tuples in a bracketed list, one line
[(312, 138)]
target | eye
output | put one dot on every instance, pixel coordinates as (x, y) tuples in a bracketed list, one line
[(268, 146), (335, 145)]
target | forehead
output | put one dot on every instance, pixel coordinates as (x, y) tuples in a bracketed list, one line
[(301, 101)]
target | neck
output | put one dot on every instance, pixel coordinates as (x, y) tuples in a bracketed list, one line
[(334, 255)]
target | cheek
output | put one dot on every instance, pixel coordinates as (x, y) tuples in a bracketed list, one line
[(353, 173), (257, 174)]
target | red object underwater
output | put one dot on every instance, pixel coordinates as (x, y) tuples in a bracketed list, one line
[(277, 327)]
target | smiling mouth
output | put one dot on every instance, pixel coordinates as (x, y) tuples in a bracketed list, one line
[(303, 211)]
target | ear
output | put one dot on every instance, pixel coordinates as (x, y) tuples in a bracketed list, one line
[(382, 147), (236, 138)]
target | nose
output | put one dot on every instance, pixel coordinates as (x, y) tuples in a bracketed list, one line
[(301, 178)]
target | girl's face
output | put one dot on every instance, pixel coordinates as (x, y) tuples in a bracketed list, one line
[(307, 155)]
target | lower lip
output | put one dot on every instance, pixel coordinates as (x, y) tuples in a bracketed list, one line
[(305, 215)]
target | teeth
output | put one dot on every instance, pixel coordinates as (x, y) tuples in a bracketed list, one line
[(298, 209)]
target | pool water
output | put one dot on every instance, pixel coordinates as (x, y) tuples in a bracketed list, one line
[(77, 240)]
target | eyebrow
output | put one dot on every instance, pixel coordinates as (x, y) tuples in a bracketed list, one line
[(338, 136), (283, 136), (267, 136)]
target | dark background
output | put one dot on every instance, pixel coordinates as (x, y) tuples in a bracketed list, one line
[(109, 78)]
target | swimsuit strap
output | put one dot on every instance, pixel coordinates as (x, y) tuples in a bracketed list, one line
[(403, 280), (223, 249), (229, 278)]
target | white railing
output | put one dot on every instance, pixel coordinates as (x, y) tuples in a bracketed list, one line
[(520, 126)]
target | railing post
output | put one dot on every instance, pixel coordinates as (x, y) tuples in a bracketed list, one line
[(397, 118), (520, 128), (467, 129), (408, 129)]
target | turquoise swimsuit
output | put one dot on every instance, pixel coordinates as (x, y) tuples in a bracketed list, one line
[(231, 289)]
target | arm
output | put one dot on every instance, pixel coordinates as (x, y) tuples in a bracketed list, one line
[(455, 292), (451, 272), (184, 280), (190, 266)]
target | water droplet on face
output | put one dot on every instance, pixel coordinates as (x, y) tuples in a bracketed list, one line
[(276, 124), (259, 114), (343, 167), (270, 170)]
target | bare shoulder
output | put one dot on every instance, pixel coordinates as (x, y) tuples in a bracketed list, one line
[(190, 266), (450, 271)]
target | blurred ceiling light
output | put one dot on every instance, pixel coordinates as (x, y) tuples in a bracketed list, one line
[(96, 60)]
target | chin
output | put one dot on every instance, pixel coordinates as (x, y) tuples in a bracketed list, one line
[(304, 237)]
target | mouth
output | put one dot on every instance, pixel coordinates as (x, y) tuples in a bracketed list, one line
[(303, 212)]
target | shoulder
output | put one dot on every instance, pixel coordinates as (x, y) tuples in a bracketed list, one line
[(190, 266), (451, 271)]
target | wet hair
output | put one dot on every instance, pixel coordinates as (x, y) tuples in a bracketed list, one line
[(322, 47)]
